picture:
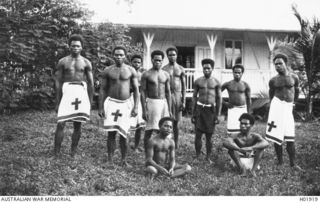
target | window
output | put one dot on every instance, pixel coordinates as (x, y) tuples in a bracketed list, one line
[(186, 56), (233, 53)]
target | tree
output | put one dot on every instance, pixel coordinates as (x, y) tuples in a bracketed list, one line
[(33, 37), (310, 51)]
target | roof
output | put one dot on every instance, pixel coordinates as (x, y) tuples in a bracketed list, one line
[(180, 27)]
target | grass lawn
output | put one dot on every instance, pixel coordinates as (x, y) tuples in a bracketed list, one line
[(27, 165)]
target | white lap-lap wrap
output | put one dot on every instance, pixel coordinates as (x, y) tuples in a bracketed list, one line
[(233, 124), (156, 109), (75, 103), (117, 114), (280, 126)]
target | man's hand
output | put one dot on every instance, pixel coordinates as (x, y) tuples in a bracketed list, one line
[(134, 112), (101, 114), (144, 116), (164, 171), (193, 119), (182, 106), (171, 171), (247, 151)]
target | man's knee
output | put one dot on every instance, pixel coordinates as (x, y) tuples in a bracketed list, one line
[(152, 170)]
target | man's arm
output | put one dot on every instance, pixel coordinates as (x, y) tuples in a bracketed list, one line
[(271, 89), (260, 143), (58, 83), (172, 155), (296, 88), (149, 158), (168, 91), (89, 76), (183, 87), (136, 95), (143, 94), (218, 98), (230, 144), (248, 97), (223, 87), (194, 100), (103, 93)]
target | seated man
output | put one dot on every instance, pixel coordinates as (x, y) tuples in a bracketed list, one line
[(246, 143), (160, 154)]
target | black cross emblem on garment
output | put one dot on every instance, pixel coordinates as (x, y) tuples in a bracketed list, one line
[(271, 125), (116, 115), (76, 104)]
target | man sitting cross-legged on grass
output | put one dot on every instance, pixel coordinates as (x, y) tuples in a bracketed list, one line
[(245, 143), (160, 153)]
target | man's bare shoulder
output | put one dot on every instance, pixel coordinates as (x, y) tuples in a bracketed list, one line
[(245, 84), (216, 81), (165, 73), (199, 79), (64, 59), (226, 84)]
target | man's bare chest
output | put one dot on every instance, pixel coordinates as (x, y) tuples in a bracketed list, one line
[(119, 74), (284, 82)]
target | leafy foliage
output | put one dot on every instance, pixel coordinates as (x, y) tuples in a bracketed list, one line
[(33, 37), (307, 46)]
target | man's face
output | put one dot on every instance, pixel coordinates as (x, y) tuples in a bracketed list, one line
[(245, 125), (75, 47), (136, 63), (119, 56), (166, 127), (280, 65), (172, 56), (157, 61), (237, 73), (207, 70)]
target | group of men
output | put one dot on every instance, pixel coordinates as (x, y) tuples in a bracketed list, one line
[(130, 96)]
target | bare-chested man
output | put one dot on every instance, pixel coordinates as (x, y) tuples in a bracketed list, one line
[(114, 101), (160, 155), (206, 106), (178, 89), (138, 122), (283, 91), (239, 99), (74, 92), (246, 144), (156, 96)]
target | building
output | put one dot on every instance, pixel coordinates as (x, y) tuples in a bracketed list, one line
[(227, 46)]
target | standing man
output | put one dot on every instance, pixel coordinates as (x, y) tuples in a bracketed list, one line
[(160, 155), (115, 106), (178, 89), (239, 99), (206, 106), (74, 92), (138, 123), (283, 91), (246, 144), (156, 96)]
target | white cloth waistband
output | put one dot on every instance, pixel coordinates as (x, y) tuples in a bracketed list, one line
[(204, 105)]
